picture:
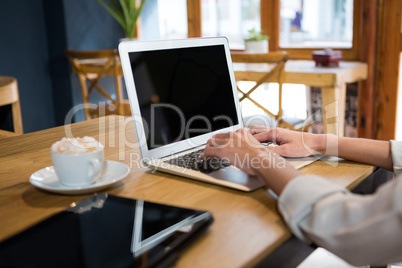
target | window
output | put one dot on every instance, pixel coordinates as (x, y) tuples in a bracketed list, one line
[(164, 19), (295, 26), (231, 18), (316, 23)]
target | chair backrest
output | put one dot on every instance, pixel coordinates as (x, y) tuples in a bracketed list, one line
[(272, 57), (276, 59), (9, 96), (274, 74), (92, 65)]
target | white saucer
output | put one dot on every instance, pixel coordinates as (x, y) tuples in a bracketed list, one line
[(46, 179)]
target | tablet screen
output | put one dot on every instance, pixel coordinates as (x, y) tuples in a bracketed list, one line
[(106, 231)]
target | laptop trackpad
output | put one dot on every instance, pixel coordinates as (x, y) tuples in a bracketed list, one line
[(234, 175)]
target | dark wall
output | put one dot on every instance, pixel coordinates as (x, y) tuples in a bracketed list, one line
[(24, 55), (89, 27), (33, 37), (58, 66)]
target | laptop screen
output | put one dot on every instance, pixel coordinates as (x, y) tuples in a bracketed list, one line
[(183, 92)]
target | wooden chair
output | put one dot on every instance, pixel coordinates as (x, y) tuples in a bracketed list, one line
[(90, 67), (277, 61), (9, 96)]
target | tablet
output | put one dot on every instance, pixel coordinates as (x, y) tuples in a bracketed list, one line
[(107, 231)]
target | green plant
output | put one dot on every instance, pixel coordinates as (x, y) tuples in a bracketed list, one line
[(255, 36), (125, 12)]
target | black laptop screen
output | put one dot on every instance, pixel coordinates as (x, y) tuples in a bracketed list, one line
[(183, 93)]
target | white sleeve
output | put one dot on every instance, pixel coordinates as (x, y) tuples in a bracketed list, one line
[(396, 149), (360, 229)]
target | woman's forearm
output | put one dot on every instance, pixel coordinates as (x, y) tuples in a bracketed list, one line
[(374, 152), (278, 175)]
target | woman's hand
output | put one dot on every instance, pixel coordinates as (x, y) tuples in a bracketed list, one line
[(238, 148), (244, 151), (290, 143)]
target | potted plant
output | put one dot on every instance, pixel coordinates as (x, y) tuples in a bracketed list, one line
[(256, 42), (125, 12)]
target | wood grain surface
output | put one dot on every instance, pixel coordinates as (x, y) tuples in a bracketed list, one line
[(247, 226)]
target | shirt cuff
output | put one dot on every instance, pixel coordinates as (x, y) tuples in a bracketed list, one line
[(396, 149), (298, 198)]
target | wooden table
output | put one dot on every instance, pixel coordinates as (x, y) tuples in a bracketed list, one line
[(332, 81), (247, 226)]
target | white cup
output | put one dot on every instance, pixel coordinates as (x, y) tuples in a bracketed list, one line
[(78, 169)]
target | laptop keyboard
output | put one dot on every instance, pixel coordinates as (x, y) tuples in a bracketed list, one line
[(193, 161)]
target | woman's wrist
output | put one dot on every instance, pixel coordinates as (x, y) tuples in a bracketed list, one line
[(275, 171), (318, 143)]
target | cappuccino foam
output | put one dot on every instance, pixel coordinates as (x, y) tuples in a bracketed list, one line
[(76, 145)]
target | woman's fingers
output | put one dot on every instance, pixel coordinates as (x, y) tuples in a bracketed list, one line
[(210, 152), (265, 136), (259, 129), (233, 155), (282, 150)]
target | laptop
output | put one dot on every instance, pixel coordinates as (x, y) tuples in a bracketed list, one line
[(181, 93)]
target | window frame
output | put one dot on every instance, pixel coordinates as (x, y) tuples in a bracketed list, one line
[(270, 23)]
